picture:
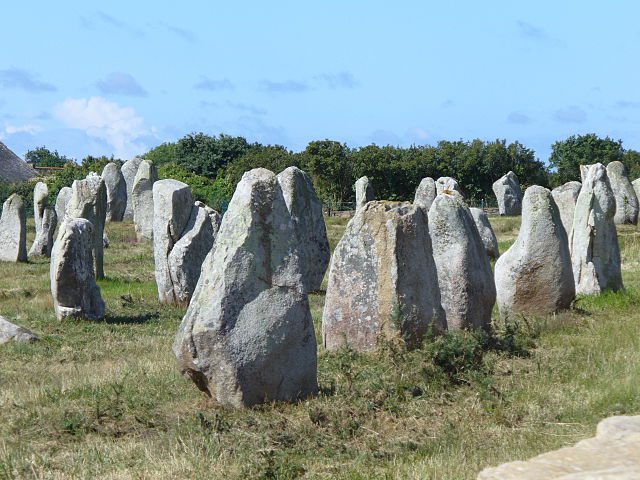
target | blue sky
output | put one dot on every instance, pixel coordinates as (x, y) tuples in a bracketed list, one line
[(120, 77)]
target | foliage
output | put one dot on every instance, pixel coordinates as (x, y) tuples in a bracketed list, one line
[(43, 157), (24, 189), (164, 153), (206, 155), (214, 193)]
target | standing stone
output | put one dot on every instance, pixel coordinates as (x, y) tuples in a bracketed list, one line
[(129, 170), (10, 332), (306, 211), (40, 202), (172, 205), (566, 197), (142, 198), (595, 252), (449, 184), (43, 242), (624, 194), (636, 187), (187, 255), (464, 270), (485, 230), (62, 200), (89, 200), (248, 337), (534, 276), (382, 280), (364, 192), (508, 194), (425, 194), (73, 282), (116, 192), (13, 230)]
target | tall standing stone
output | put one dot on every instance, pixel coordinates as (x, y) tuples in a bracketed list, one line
[(142, 197), (382, 280), (485, 230), (464, 270), (534, 276), (624, 194), (425, 194), (566, 197), (306, 211), (13, 230), (40, 202), (116, 192), (73, 282), (449, 184), (508, 194), (364, 192), (129, 170), (595, 252), (89, 201), (43, 242), (636, 187), (247, 336), (62, 200)]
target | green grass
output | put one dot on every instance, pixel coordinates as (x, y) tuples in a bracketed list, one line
[(105, 400)]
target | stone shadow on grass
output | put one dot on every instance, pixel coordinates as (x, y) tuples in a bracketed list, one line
[(131, 319)]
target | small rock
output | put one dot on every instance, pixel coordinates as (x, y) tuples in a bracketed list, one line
[(10, 332)]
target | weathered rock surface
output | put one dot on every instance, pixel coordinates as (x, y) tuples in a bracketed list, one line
[(485, 230), (566, 197), (73, 282), (306, 211), (62, 200), (636, 187), (614, 453), (89, 201), (508, 194), (383, 280), (10, 332), (595, 252), (464, 270), (535, 275), (172, 204), (43, 242), (116, 192), (364, 192), (624, 194), (129, 170), (13, 230), (142, 197), (40, 202), (247, 337), (425, 194), (449, 184)]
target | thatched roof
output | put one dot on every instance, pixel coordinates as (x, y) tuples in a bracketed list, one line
[(12, 167)]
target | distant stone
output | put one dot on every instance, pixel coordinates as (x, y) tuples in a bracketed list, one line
[(449, 184), (13, 230), (89, 201), (485, 230), (73, 282), (508, 194), (129, 170), (364, 192), (247, 337), (43, 242), (382, 280), (306, 212), (624, 194), (116, 192), (62, 200), (13, 333), (534, 276), (142, 197), (595, 252), (566, 197), (636, 187), (425, 194), (40, 202), (464, 270)]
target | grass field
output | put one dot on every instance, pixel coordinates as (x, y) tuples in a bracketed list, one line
[(105, 400)]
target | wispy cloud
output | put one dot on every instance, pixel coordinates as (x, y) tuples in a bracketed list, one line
[(338, 80), (518, 118), (535, 33), (287, 86), (28, 81), (247, 108), (30, 128), (214, 85), (121, 83), (183, 33), (103, 18), (627, 104), (570, 114)]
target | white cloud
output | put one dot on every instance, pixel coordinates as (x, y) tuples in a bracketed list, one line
[(120, 127), (29, 128)]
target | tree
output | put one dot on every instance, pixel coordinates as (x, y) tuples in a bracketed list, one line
[(206, 155), (43, 157), (329, 164)]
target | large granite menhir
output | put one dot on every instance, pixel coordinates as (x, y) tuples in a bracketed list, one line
[(566, 197), (129, 170), (142, 198), (13, 230), (425, 194), (624, 194), (486, 232), (508, 194), (364, 192), (116, 192)]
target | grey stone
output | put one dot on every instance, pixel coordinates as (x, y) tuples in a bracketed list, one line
[(89, 200), (13, 230), (364, 192), (142, 197), (248, 337), (43, 242), (172, 204), (566, 197), (425, 193), (485, 230), (382, 280), (73, 282), (595, 252), (40, 202), (464, 270), (129, 170), (534, 276), (508, 194), (306, 211), (624, 194), (449, 184), (636, 187), (10, 332), (62, 200), (116, 192)]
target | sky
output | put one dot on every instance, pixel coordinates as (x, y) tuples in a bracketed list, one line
[(120, 77)]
